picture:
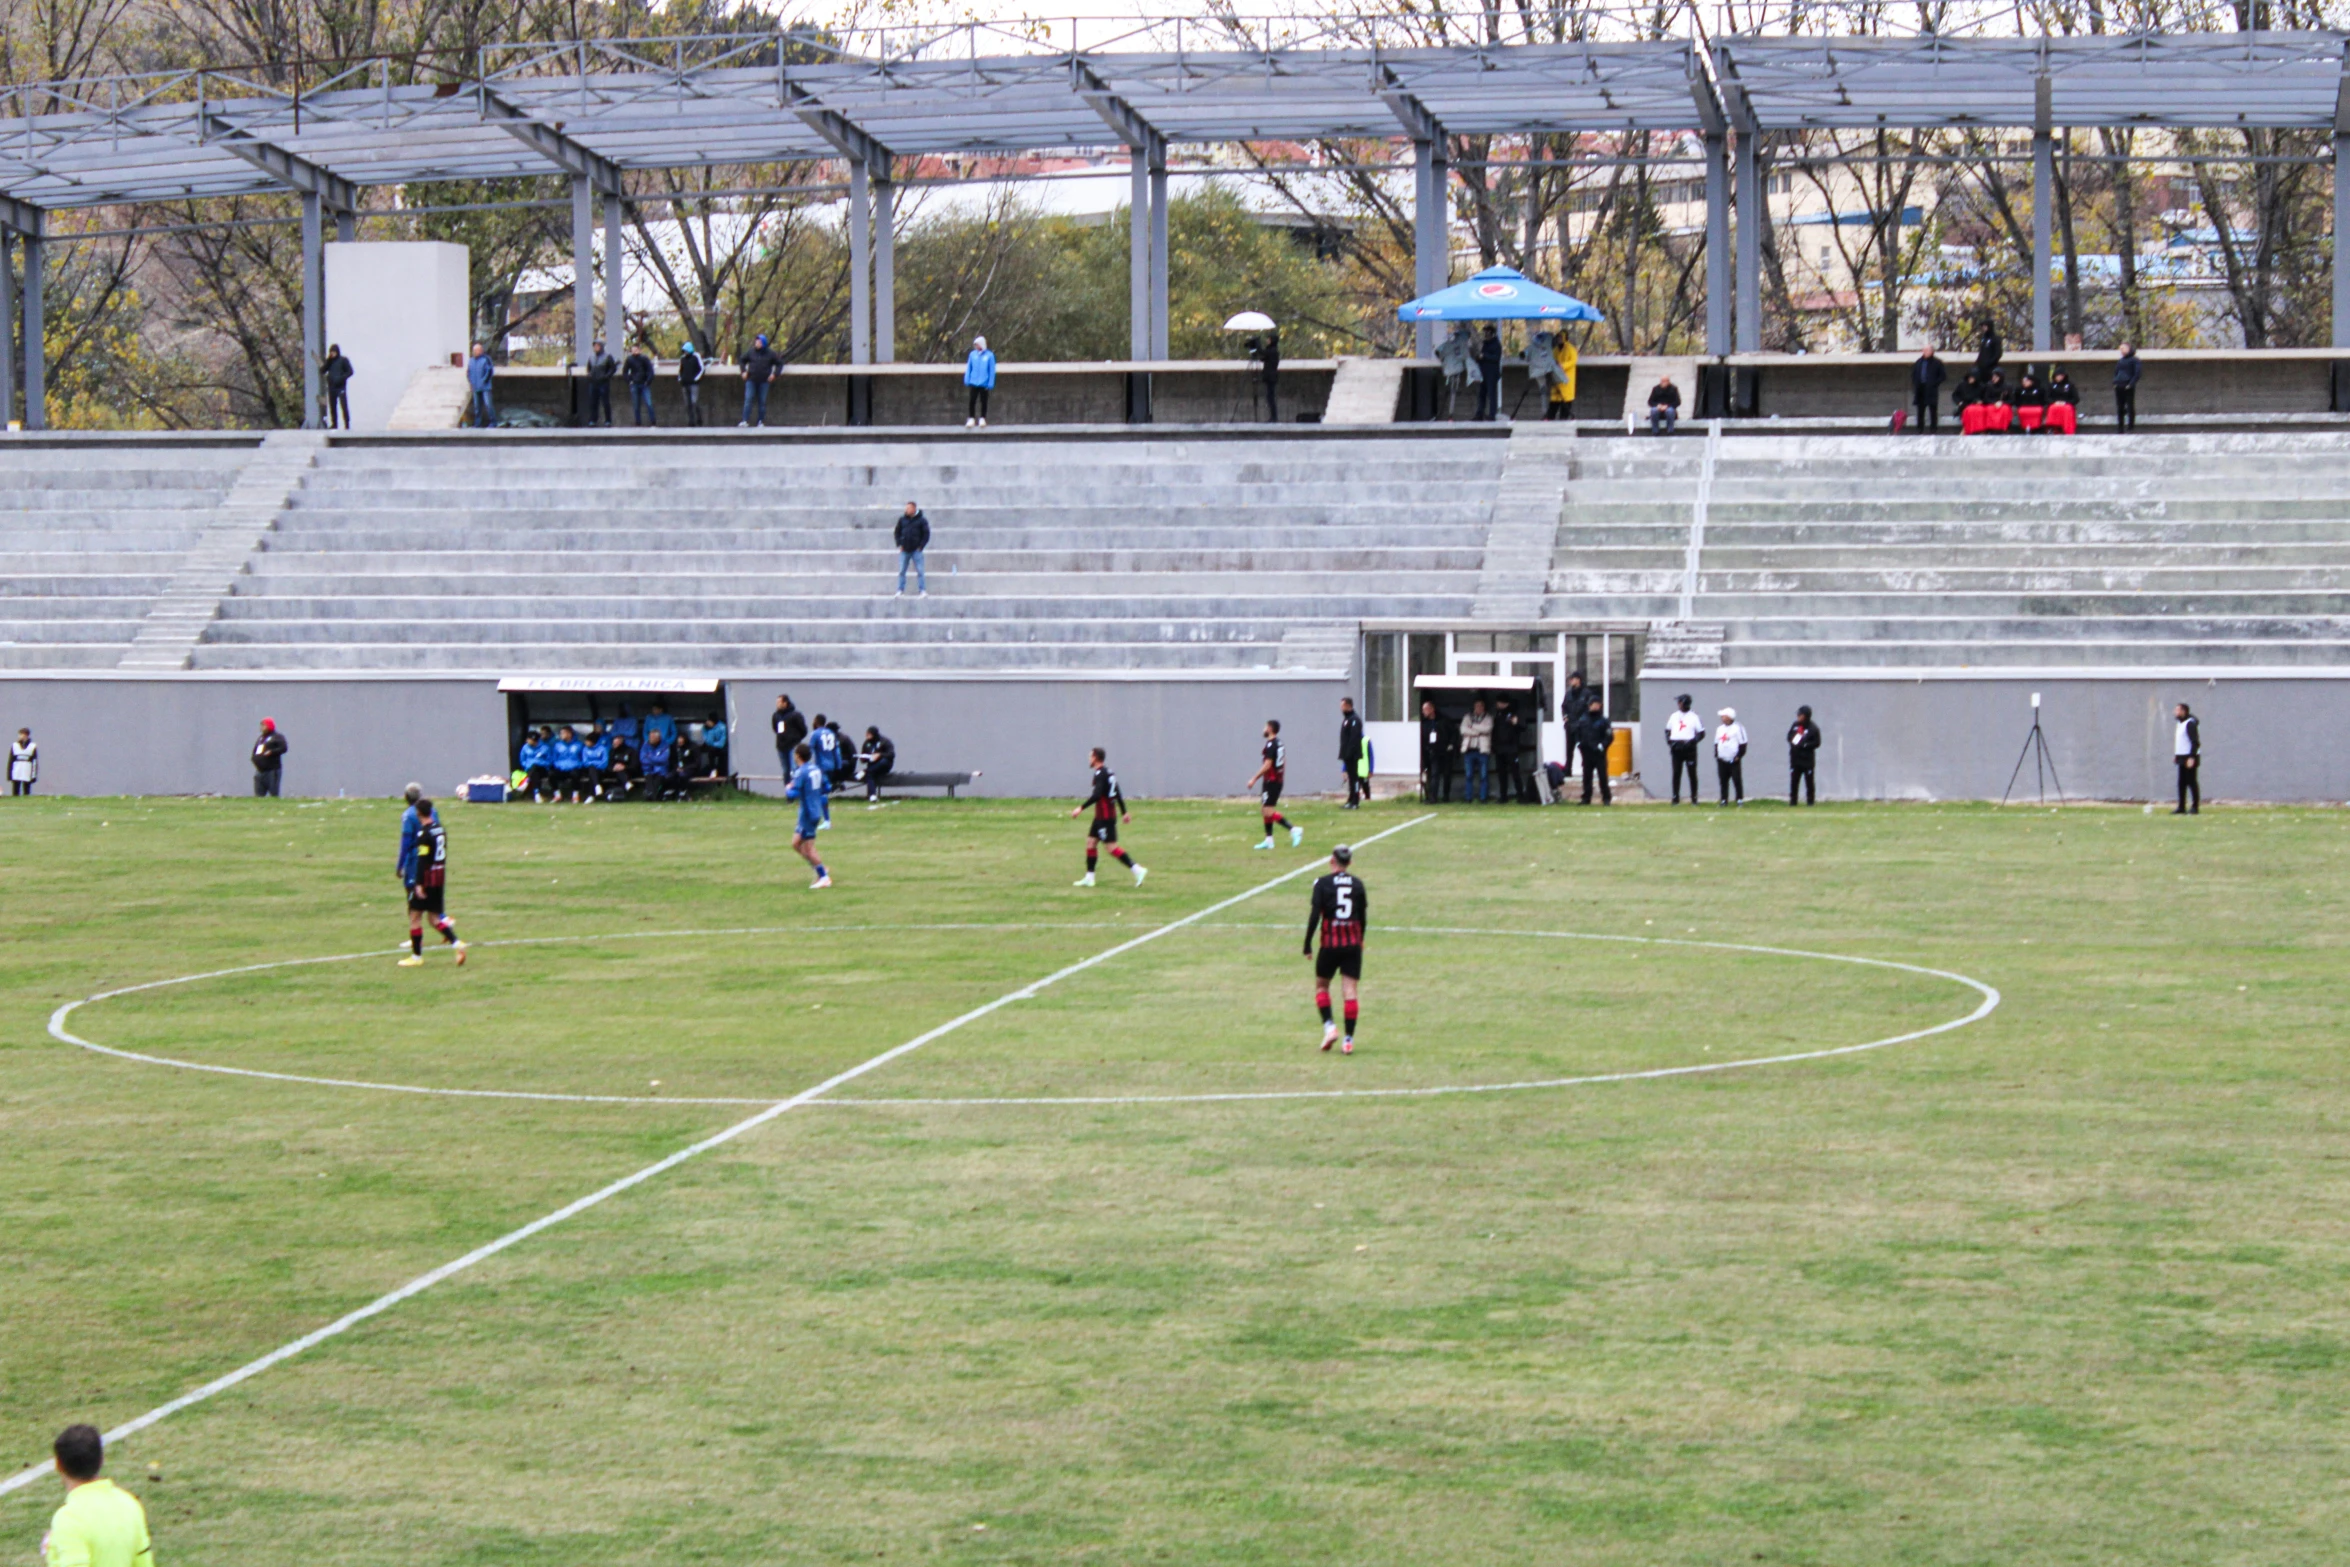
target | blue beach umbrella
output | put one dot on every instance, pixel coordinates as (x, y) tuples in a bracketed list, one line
[(1497, 294)]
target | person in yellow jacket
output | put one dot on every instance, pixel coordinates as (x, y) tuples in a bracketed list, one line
[(1562, 378), (100, 1525)]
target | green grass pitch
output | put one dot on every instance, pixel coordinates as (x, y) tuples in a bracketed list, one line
[(2064, 1285)]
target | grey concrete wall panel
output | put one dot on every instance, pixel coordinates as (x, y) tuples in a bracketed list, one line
[(1958, 738)]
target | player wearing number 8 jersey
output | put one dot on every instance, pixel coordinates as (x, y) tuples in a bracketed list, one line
[(1342, 912)]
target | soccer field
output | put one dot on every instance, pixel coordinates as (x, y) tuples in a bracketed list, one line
[(2060, 1284)]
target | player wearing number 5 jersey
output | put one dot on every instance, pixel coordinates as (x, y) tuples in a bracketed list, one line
[(1108, 808), (1341, 911)]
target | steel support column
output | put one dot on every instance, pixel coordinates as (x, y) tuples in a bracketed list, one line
[(1717, 244), (2341, 233), (583, 267), (615, 280), (36, 350), (1138, 257), (860, 264), (346, 228), (7, 326), (313, 304), (1431, 233), (885, 266), (1158, 169), (2043, 221), (1753, 192)]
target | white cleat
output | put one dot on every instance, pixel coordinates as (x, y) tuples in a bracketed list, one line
[(1085, 880), (1139, 874), (1297, 835), (1268, 843), (1329, 1035), (820, 883)]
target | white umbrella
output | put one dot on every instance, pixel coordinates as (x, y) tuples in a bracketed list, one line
[(1250, 321)]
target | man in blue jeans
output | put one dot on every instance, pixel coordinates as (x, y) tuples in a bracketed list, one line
[(759, 367), (913, 536), (479, 372)]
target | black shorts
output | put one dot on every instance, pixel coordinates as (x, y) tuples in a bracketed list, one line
[(1338, 960), (1104, 829), (1272, 793), (425, 900)]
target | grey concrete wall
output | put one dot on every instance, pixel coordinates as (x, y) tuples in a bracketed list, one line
[(2177, 382), (2264, 738), (190, 734)]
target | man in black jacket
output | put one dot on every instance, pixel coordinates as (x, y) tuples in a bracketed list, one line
[(2187, 754), (876, 759), (1925, 388), (1269, 361), (1489, 374), (637, 371), (759, 367), (1437, 756), (601, 368), (1350, 751), (913, 536), (337, 373), (1664, 406), (1593, 735), (1803, 754), (790, 730), (269, 760), (1509, 749), (2126, 371)]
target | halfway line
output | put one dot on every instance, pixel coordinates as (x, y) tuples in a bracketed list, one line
[(479, 1254)]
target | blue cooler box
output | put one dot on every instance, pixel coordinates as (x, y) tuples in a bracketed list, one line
[(486, 791)]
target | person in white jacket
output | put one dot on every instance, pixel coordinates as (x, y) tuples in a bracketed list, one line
[(1730, 755), (24, 763), (1684, 733)]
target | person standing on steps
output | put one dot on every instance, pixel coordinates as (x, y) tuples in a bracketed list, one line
[(24, 763), (913, 537), (1730, 755), (1988, 353), (601, 367), (1350, 751), (1803, 756), (1684, 733), (759, 367), (481, 373), (337, 373), (1489, 374), (978, 383), (2126, 372), (2187, 754), (1925, 389), (269, 760), (1594, 734), (637, 371), (689, 385)]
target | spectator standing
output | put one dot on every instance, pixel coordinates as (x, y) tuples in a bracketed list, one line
[(759, 367), (1684, 733), (877, 758), (1988, 352), (1489, 373), (1664, 406), (1730, 755), (689, 385), (913, 537), (1477, 754), (1593, 736), (1925, 388), (1350, 751), (2186, 749), (269, 760), (1436, 754), (637, 370), (978, 383), (601, 368), (1573, 700), (790, 730), (2126, 372), (1269, 363), (1803, 755), (24, 763), (480, 374), (337, 373), (100, 1525), (1561, 402), (1509, 735)]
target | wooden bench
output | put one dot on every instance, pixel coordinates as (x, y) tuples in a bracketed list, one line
[(950, 782)]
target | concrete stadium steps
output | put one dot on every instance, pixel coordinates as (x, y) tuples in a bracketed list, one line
[(1046, 554), (1851, 551)]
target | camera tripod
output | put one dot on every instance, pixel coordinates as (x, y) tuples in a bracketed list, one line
[(2043, 764)]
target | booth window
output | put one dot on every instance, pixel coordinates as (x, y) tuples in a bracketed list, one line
[(1383, 685), (1623, 679)]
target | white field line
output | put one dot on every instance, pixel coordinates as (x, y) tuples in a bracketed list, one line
[(425, 1281)]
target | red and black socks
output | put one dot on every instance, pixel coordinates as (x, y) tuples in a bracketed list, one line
[(1322, 1000)]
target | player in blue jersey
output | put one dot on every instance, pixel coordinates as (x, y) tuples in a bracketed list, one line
[(807, 787)]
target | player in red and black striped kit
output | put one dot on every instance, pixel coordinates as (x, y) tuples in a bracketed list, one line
[(1342, 911), (424, 868), (1268, 777), (1109, 809)]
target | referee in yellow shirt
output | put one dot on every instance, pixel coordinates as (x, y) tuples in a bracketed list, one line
[(100, 1525)]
